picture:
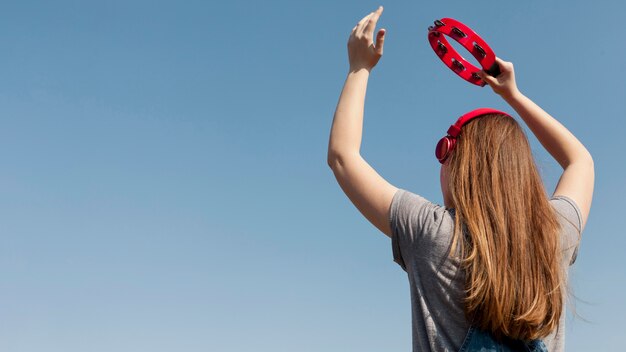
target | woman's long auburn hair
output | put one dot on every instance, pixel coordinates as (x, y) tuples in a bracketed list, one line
[(506, 230)]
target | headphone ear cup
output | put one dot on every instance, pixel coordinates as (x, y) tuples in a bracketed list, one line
[(444, 148), (441, 150), (451, 144)]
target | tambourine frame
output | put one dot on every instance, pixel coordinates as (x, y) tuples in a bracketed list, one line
[(471, 41)]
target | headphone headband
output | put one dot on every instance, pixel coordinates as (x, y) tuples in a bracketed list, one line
[(455, 129), (447, 143)]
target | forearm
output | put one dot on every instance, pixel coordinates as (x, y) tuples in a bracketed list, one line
[(558, 140), (347, 127)]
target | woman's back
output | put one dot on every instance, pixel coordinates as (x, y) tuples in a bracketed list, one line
[(421, 238)]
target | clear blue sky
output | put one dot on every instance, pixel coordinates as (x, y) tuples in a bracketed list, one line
[(164, 185)]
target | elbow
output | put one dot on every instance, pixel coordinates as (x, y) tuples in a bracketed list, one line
[(333, 159), (580, 157), (590, 160), (337, 159), (587, 159), (590, 163), (583, 159)]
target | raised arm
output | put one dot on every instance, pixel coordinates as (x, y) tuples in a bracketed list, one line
[(367, 190), (577, 179)]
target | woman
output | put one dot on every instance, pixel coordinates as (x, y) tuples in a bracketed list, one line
[(489, 270)]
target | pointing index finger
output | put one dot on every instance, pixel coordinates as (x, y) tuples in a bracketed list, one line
[(371, 24), (364, 19), (362, 23)]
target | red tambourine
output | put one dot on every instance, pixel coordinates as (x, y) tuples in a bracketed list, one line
[(470, 41)]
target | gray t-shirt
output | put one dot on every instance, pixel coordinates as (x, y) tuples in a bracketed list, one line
[(421, 239)]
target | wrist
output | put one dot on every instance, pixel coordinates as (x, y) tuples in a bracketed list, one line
[(512, 95), (359, 74), (359, 70)]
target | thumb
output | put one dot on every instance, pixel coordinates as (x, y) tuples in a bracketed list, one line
[(380, 41), (487, 78)]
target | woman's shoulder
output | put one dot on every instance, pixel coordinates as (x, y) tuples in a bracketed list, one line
[(405, 198), (410, 207), (568, 210), (570, 219), (416, 218)]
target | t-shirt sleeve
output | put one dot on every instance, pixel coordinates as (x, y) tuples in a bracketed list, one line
[(571, 224), (410, 216)]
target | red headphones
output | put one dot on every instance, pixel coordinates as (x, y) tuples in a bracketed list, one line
[(447, 143), (470, 41)]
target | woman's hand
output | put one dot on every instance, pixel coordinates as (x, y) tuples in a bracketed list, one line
[(504, 84), (362, 53)]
